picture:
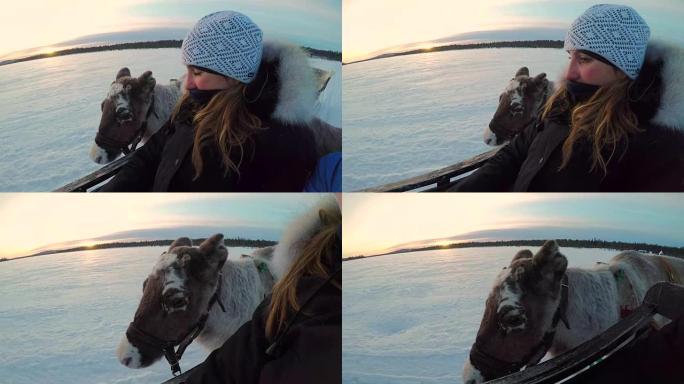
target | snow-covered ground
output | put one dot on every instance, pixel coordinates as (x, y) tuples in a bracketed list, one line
[(62, 317), (50, 111), (407, 115), (411, 318)]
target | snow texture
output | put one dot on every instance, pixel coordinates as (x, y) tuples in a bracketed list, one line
[(50, 111), (407, 115), (62, 317), (411, 318)]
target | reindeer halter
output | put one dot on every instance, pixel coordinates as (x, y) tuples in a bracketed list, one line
[(491, 366), (171, 354)]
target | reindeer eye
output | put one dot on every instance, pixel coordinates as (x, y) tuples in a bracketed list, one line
[(175, 303), (513, 321)]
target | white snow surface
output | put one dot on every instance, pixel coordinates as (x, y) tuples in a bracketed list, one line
[(62, 317), (407, 115), (50, 111), (412, 317)]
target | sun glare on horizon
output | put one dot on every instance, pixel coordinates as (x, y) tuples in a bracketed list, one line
[(373, 27), (381, 224)]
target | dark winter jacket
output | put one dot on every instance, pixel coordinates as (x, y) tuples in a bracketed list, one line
[(279, 158), (308, 351), (652, 160)]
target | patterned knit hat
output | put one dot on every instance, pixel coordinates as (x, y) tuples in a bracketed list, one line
[(227, 42), (615, 32)]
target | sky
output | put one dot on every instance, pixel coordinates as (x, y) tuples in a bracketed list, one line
[(35, 23), (376, 223), (32, 221), (373, 26)]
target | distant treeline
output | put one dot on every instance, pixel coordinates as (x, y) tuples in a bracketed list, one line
[(570, 243), (330, 55), (452, 47), (238, 242)]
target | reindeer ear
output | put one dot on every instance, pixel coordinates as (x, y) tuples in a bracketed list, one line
[(214, 249), (123, 72), (540, 78), (146, 80), (181, 242), (523, 254), (522, 71), (549, 261)]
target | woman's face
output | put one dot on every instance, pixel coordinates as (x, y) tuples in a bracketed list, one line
[(205, 81), (588, 70)]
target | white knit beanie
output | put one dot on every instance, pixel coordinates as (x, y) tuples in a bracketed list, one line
[(225, 42), (615, 32)]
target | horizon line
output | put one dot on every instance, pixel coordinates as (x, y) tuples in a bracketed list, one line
[(457, 46), (479, 244)]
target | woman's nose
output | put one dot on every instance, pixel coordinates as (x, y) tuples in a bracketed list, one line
[(572, 73), (189, 82)]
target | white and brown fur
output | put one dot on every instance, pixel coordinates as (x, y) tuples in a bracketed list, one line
[(519, 104), (671, 109), (135, 96), (529, 288), (190, 274)]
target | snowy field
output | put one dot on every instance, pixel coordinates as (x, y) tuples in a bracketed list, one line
[(62, 317), (50, 111), (411, 318), (407, 115)]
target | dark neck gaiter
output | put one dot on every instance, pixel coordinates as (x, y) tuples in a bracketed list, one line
[(580, 92), (202, 97)]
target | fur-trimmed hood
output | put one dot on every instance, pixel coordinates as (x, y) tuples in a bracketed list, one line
[(296, 234), (285, 87), (658, 92)]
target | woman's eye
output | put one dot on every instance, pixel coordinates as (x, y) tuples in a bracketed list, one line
[(196, 73)]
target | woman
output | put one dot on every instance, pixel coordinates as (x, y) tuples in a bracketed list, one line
[(295, 335), (241, 125), (615, 124)]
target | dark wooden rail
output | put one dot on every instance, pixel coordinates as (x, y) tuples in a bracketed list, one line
[(180, 379), (85, 183), (438, 180)]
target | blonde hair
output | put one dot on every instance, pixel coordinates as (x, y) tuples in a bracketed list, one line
[(605, 120), (226, 122), (309, 263)]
